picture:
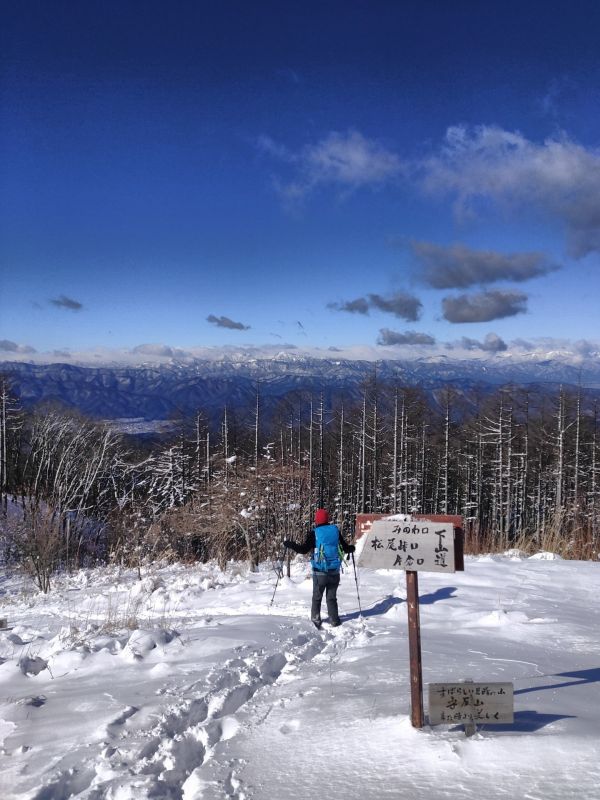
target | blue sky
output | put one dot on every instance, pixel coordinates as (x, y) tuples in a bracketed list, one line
[(382, 177)]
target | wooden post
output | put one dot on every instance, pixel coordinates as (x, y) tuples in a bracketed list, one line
[(414, 649), (428, 558), (470, 727)]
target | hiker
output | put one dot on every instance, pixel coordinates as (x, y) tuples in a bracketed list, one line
[(327, 545)]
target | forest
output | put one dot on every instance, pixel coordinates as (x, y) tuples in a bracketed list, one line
[(520, 465)]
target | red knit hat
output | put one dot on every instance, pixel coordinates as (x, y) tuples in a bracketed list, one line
[(321, 517)]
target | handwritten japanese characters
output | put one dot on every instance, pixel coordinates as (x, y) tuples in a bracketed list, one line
[(419, 546), (463, 703)]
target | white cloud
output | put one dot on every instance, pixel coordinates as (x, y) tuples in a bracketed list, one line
[(161, 350), (458, 266), (574, 352), (400, 304), (491, 344), (484, 306), (559, 177), (8, 346), (350, 159), (388, 338), (66, 302), (226, 322), (273, 148), (486, 164), (347, 161)]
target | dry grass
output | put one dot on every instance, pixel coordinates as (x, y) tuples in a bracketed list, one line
[(119, 616), (562, 536)]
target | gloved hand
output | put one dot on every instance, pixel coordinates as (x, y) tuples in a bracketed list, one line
[(288, 543), (351, 548)]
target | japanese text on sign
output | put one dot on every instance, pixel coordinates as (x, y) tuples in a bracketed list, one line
[(460, 703), (419, 546)]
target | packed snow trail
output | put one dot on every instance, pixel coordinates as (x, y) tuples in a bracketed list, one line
[(209, 692)]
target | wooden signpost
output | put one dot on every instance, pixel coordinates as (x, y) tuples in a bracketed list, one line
[(428, 545), (432, 544), (416, 546), (471, 703)]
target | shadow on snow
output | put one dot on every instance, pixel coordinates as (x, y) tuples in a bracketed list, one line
[(530, 721), (388, 602), (525, 722), (582, 676)]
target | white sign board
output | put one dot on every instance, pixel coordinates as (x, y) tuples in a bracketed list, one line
[(463, 703), (419, 545)]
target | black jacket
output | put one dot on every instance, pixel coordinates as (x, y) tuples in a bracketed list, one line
[(309, 543)]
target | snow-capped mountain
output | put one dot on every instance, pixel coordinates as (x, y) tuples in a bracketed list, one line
[(155, 392)]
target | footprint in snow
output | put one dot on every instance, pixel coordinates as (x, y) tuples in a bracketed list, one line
[(290, 727)]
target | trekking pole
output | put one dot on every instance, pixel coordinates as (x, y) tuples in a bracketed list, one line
[(356, 582), (279, 574)]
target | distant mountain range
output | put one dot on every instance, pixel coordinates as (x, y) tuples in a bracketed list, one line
[(149, 392)]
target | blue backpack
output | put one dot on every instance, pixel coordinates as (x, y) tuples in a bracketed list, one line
[(326, 556)]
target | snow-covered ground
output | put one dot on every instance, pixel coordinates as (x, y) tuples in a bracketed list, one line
[(188, 684)]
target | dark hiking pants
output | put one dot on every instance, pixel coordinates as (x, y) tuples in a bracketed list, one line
[(327, 582)]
